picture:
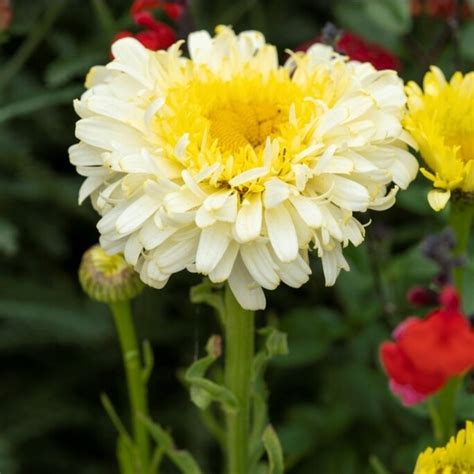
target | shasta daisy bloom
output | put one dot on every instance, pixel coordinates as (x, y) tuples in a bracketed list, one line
[(231, 166), (441, 119), (457, 457)]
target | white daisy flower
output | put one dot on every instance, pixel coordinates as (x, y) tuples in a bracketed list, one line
[(231, 166)]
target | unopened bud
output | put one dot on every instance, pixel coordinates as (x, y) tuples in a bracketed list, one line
[(108, 278)]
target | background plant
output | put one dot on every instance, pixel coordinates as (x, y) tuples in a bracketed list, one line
[(330, 404)]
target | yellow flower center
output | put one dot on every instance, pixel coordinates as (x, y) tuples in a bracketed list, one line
[(239, 125), (229, 121), (463, 137)]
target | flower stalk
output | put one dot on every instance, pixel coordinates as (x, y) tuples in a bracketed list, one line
[(137, 392), (460, 219), (239, 351)]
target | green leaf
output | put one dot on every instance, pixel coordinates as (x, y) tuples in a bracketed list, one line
[(125, 457), (392, 16), (180, 458), (377, 466), (274, 451), (117, 422), (39, 102), (8, 238), (466, 40), (204, 391), (148, 361), (66, 68)]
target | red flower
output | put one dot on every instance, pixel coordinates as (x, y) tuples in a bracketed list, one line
[(427, 352), (157, 35), (5, 14), (440, 8), (359, 50)]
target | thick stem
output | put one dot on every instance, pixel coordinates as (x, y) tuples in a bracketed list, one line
[(136, 384), (460, 219), (239, 350)]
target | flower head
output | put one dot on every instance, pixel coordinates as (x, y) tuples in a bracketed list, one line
[(441, 119), (108, 278), (427, 352), (229, 165), (457, 457)]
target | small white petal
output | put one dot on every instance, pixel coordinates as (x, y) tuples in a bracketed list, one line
[(438, 199)]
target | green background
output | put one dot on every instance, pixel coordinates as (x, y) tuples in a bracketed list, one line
[(329, 398)]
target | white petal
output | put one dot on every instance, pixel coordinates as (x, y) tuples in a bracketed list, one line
[(224, 268), (89, 186), (151, 236), (199, 43), (249, 219), (259, 263), (276, 192), (344, 192), (248, 175), (438, 199), (132, 249), (308, 209), (133, 58), (81, 154), (136, 214), (213, 243), (108, 134), (295, 273), (246, 291), (282, 233)]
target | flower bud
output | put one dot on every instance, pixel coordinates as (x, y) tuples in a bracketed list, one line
[(108, 278)]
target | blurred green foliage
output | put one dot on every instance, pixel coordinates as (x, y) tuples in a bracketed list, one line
[(329, 398)]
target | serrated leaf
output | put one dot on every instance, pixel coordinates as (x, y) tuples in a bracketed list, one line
[(204, 391)]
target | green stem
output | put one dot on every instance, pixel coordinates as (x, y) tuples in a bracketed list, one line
[(34, 38), (460, 219), (442, 409), (239, 350), (122, 313)]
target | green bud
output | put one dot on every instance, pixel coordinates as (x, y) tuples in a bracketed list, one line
[(106, 278)]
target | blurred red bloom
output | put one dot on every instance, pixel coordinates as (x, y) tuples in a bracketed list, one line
[(440, 8), (157, 34), (427, 352), (359, 50), (5, 14)]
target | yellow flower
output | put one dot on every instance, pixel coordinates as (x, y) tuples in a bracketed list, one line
[(441, 119), (227, 164), (457, 457)]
